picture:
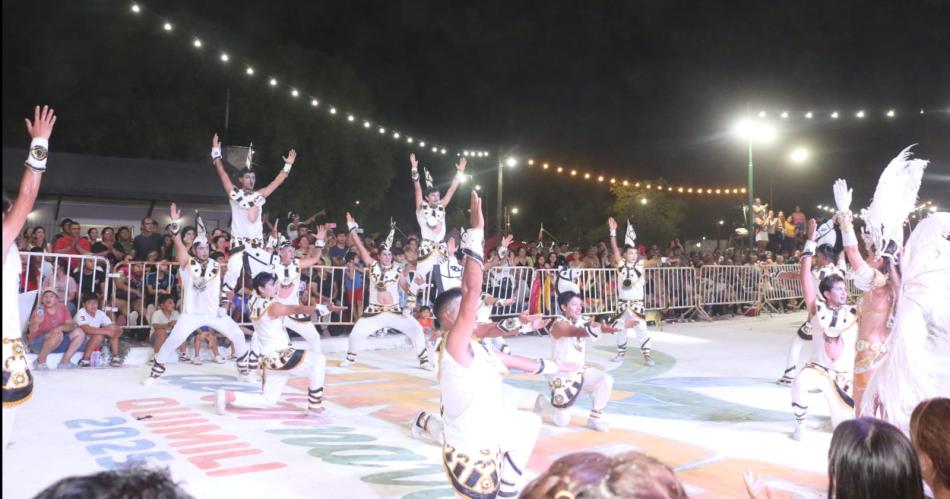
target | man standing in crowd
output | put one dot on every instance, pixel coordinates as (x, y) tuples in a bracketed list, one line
[(148, 240)]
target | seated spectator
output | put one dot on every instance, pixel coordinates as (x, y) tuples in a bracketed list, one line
[(870, 458), (52, 330), (129, 288), (91, 279), (64, 285), (35, 270), (97, 325), (206, 334), (136, 481), (108, 247), (162, 321), (221, 244), (592, 475), (930, 435), (149, 240)]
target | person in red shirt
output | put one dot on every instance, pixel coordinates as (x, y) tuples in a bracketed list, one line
[(52, 330), (73, 244)]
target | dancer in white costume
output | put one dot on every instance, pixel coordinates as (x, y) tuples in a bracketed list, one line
[(383, 310), (449, 271), (200, 281), (834, 327), (630, 293), (430, 213), (486, 446), (827, 263), (569, 334), (247, 231), (895, 197), (279, 360), (17, 378)]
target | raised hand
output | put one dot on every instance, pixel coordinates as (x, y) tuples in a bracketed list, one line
[(174, 212), (413, 161), (842, 195), (477, 220), (812, 225), (42, 125), (215, 141), (612, 224), (290, 158), (460, 166), (321, 234), (350, 221), (506, 241)]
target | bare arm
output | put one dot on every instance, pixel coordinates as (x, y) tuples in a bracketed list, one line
[(358, 241), (459, 337), (276, 310), (416, 186), (808, 286), (40, 129), (314, 217), (181, 251), (612, 224), (282, 175), (321, 235), (219, 167), (460, 167)]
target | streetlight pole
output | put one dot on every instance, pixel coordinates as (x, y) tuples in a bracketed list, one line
[(751, 217), (752, 131), (499, 209)]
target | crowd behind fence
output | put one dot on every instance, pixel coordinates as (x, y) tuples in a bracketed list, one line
[(131, 290)]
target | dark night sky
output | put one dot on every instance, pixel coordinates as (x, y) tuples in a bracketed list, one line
[(640, 88), (637, 89)]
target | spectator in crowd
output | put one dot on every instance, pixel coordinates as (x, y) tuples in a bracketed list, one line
[(149, 240), (339, 250), (97, 326), (221, 244), (91, 279), (168, 248), (129, 288), (63, 229), (38, 240), (207, 335), (591, 475), (123, 237), (353, 285), (73, 243), (64, 285), (52, 330), (188, 234), (930, 435), (108, 247), (799, 220), (35, 270), (305, 248), (791, 232), (870, 458), (162, 321), (304, 233), (92, 234), (123, 483)]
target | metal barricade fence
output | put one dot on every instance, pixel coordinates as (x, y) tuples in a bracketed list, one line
[(510, 287), (597, 287), (137, 286), (69, 275), (331, 285), (671, 288), (729, 284), (781, 282)]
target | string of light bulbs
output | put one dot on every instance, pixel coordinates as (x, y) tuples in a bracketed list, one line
[(838, 114), (273, 82), (608, 180)]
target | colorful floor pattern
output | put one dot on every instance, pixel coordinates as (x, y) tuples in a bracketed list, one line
[(709, 408)]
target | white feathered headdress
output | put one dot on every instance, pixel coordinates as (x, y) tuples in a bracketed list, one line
[(894, 199), (201, 233), (630, 238), (388, 244)]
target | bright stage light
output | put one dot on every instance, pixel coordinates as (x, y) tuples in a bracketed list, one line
[(762, 114), (891, 113), (808, 115), (135, 8), (249, 71), (196, 43), (859, 114), (409, 140), (511, 162), (366, 124), (314, 102), (755, 131), (435, 149), (395, 135), (422, 144), (350, 117), (545, 166), (273, 82), (442, 151), (167, 26), (224, 57), (332, 110), (643, 200), (573, 173), (478, 187), (784, 115), (530, 162), (514, 211), (586, 176), (382, 130), (560, 169), (799, 155), (294, 92), (834, 115)]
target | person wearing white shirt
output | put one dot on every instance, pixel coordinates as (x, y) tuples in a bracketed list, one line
[(97, 326)]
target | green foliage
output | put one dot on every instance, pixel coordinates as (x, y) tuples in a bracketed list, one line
[(656, 222)]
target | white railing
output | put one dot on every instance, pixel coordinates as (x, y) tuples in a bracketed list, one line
[(68, 275)]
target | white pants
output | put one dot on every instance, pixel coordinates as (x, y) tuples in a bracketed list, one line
[(640, 332), (425, 266), (812, 379), (795, 350), (432, 423), (597, 383), (258, 258), (408, 326), (307, 331), (517, 437), (313, 366), (188, 323)]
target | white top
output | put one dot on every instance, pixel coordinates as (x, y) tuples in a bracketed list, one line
[(630, 280), (241, 225), (159, 317), (570, 349), (288, 281), (471, 398), (11, 300), (431, 221), (381, 279), (451, 273), (83, 318), (844, 325), (201, 287), (269, 332)]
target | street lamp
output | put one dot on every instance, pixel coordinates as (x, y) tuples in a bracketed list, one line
[(508, 213), (510, 162), (719, 232), (753, 132)]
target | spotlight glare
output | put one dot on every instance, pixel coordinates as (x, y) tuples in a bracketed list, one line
[(859, 114), (196, 43), (808, 115), (834, 115), (249, 71), (366, 124), (891, 113), (382, 130), (799, 155), (511, 162), (573, 173), (762, 114), (332, 110), (626, 183), (350, 117), (560, 169), (586, 176), (545, 166), (784, 115), (224, 57), (273, 82), (643, 200), (294, 92), (478, 187), (530, 161), (435, 149), (409, 140), (755, 131), (395, 135), (135, 8), (167, 26), (442, 151)]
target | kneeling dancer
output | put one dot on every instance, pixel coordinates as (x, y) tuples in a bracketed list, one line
[(279, 360)]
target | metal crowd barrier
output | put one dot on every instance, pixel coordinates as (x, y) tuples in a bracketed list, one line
[(510, 287), (64, 273), (137, 286), (672, 288), (780, 282), (597, 287)]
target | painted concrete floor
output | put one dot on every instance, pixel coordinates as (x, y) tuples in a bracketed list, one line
[(709, 408)]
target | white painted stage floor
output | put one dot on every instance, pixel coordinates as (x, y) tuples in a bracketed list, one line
[(709, 408)]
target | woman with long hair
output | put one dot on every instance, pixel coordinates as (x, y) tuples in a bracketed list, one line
[(870, 458), (930, 436)]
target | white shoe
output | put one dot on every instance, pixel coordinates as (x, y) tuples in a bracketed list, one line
[(784, 380), (414, 428), (619, 358), (427, 366), (196, 360), (149, 381), (347, 362), (648, 360), (797, 433), (220, 359), (598, 425), (220, 402), (249, 378)]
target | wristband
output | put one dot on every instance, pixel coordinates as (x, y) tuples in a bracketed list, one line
[(39, 150), (352, 226), (472, 243), (509, 325), (547, 366), (287, 167), (592, 331), (414, 175), (175, 227), (320, 243), (215, 153), (502, 251), (613, 232), (321, 310), (809, 249)]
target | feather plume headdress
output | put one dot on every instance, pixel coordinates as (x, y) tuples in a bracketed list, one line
[(894, 199)]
